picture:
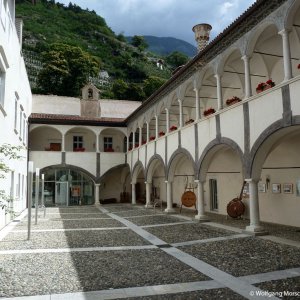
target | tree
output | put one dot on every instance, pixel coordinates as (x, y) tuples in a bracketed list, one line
[(119, 89), (152, 84), (66, 69), (139, 42), (10, 152), (135, 92), (176, 59)]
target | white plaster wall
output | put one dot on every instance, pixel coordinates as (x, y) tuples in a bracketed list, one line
[(172, 141), (143, 155), (206, 133), (150, 150), (109, 160), (294, 94), (42, 159), (188, 139), (232, 125), (118, 139), (41, 138), (86, 161), (135, 156), (264, 111), (282, 166), (16, 82), (160, 147)]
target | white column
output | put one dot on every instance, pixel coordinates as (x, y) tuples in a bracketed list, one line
[(133, 195), (63, 143), (148, 194), (147, 132), (197, 104), (140, 136), (97, 143), (219, 92), (169, 208), (254, 207), (167, 120), (97, 195), (180, 114), (156, 127), (286, 54), (133, 140), (248, 88), (200, 202)]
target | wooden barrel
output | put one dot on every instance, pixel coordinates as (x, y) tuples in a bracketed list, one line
[(235, 208), (188, 199)]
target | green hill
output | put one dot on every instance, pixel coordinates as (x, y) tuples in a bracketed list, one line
[(47, 22)]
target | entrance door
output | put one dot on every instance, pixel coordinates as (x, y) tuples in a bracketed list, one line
[(62, 193), (213, 194)]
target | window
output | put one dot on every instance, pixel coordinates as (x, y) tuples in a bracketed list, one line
[(21, 122), (213, 194), (77, 142), (108, 143), (24, 128)]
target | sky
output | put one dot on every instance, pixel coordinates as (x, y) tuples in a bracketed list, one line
[(165, 18)]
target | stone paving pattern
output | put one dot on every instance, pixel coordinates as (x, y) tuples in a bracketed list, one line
[(46, 273)]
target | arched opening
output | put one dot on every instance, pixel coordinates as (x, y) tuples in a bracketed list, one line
[(267, 57), (208, 93), (112, 140), (221, 170), (138, 184), (276, 165), (233, 78), (181, 174), (67, 186), (80, 139), (189, 105), (45, 138)]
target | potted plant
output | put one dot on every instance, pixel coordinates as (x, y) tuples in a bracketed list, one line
[(143, 142), (130, 148), (152, 138), (161, 133), (298, 66), (109, 150), (79, 149), (173, 127), (190, 121), (209, 111), (233, 100), (262, 86)]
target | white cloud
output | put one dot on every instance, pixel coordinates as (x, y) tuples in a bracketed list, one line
[(165, 17)]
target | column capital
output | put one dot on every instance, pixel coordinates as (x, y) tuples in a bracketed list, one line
[(148, 182), (246, 57), (217, 75), (284, 31), (97, 184), (248, 180)]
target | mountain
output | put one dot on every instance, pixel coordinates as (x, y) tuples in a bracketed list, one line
[(166, 45)]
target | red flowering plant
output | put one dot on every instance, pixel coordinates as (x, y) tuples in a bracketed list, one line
[(173, 127), (130, 148), (161, 133), (233, 100), (189, 121), (152, 138), (109, 150), (209, 111), (298, 66), (262, 86), (143, 142), (270, 82), (79, 149)]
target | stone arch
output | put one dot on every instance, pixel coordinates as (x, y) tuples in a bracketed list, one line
[(264, 143), (98, 179), (290, 14), (174, 159), (72, 167), (138, 167), (222, 62), (210, 150), (152, 165)]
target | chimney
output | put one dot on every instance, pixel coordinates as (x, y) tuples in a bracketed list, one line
[(19, 28), (202, 32)]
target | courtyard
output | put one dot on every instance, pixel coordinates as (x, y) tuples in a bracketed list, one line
[(121, 251)]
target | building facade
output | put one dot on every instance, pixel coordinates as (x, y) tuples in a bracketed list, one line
[(15, 108)]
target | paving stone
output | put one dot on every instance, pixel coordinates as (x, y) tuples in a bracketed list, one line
[(158, 219)]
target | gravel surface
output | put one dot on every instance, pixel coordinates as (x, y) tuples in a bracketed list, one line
[(159, 219), (76, 216), (40, 274), (205, 295), (140, 212), (71, 239), (91, 209), (98, 223), (120, 207), (187, 232), (246, 256), (282, 287)]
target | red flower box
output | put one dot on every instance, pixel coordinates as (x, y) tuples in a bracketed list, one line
[(233, 100), (152, 138), (298, 66), (109, 150), (265, 86), (209, 111), (190, 121), (143, 142), (79, 149), (161, 133), (172, 128)]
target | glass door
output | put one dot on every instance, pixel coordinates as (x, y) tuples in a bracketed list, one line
[(62, 193)]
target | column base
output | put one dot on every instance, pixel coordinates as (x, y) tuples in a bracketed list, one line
[(133, 203), (170, 211), (202, 218), (255, 230), (148, 205)]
